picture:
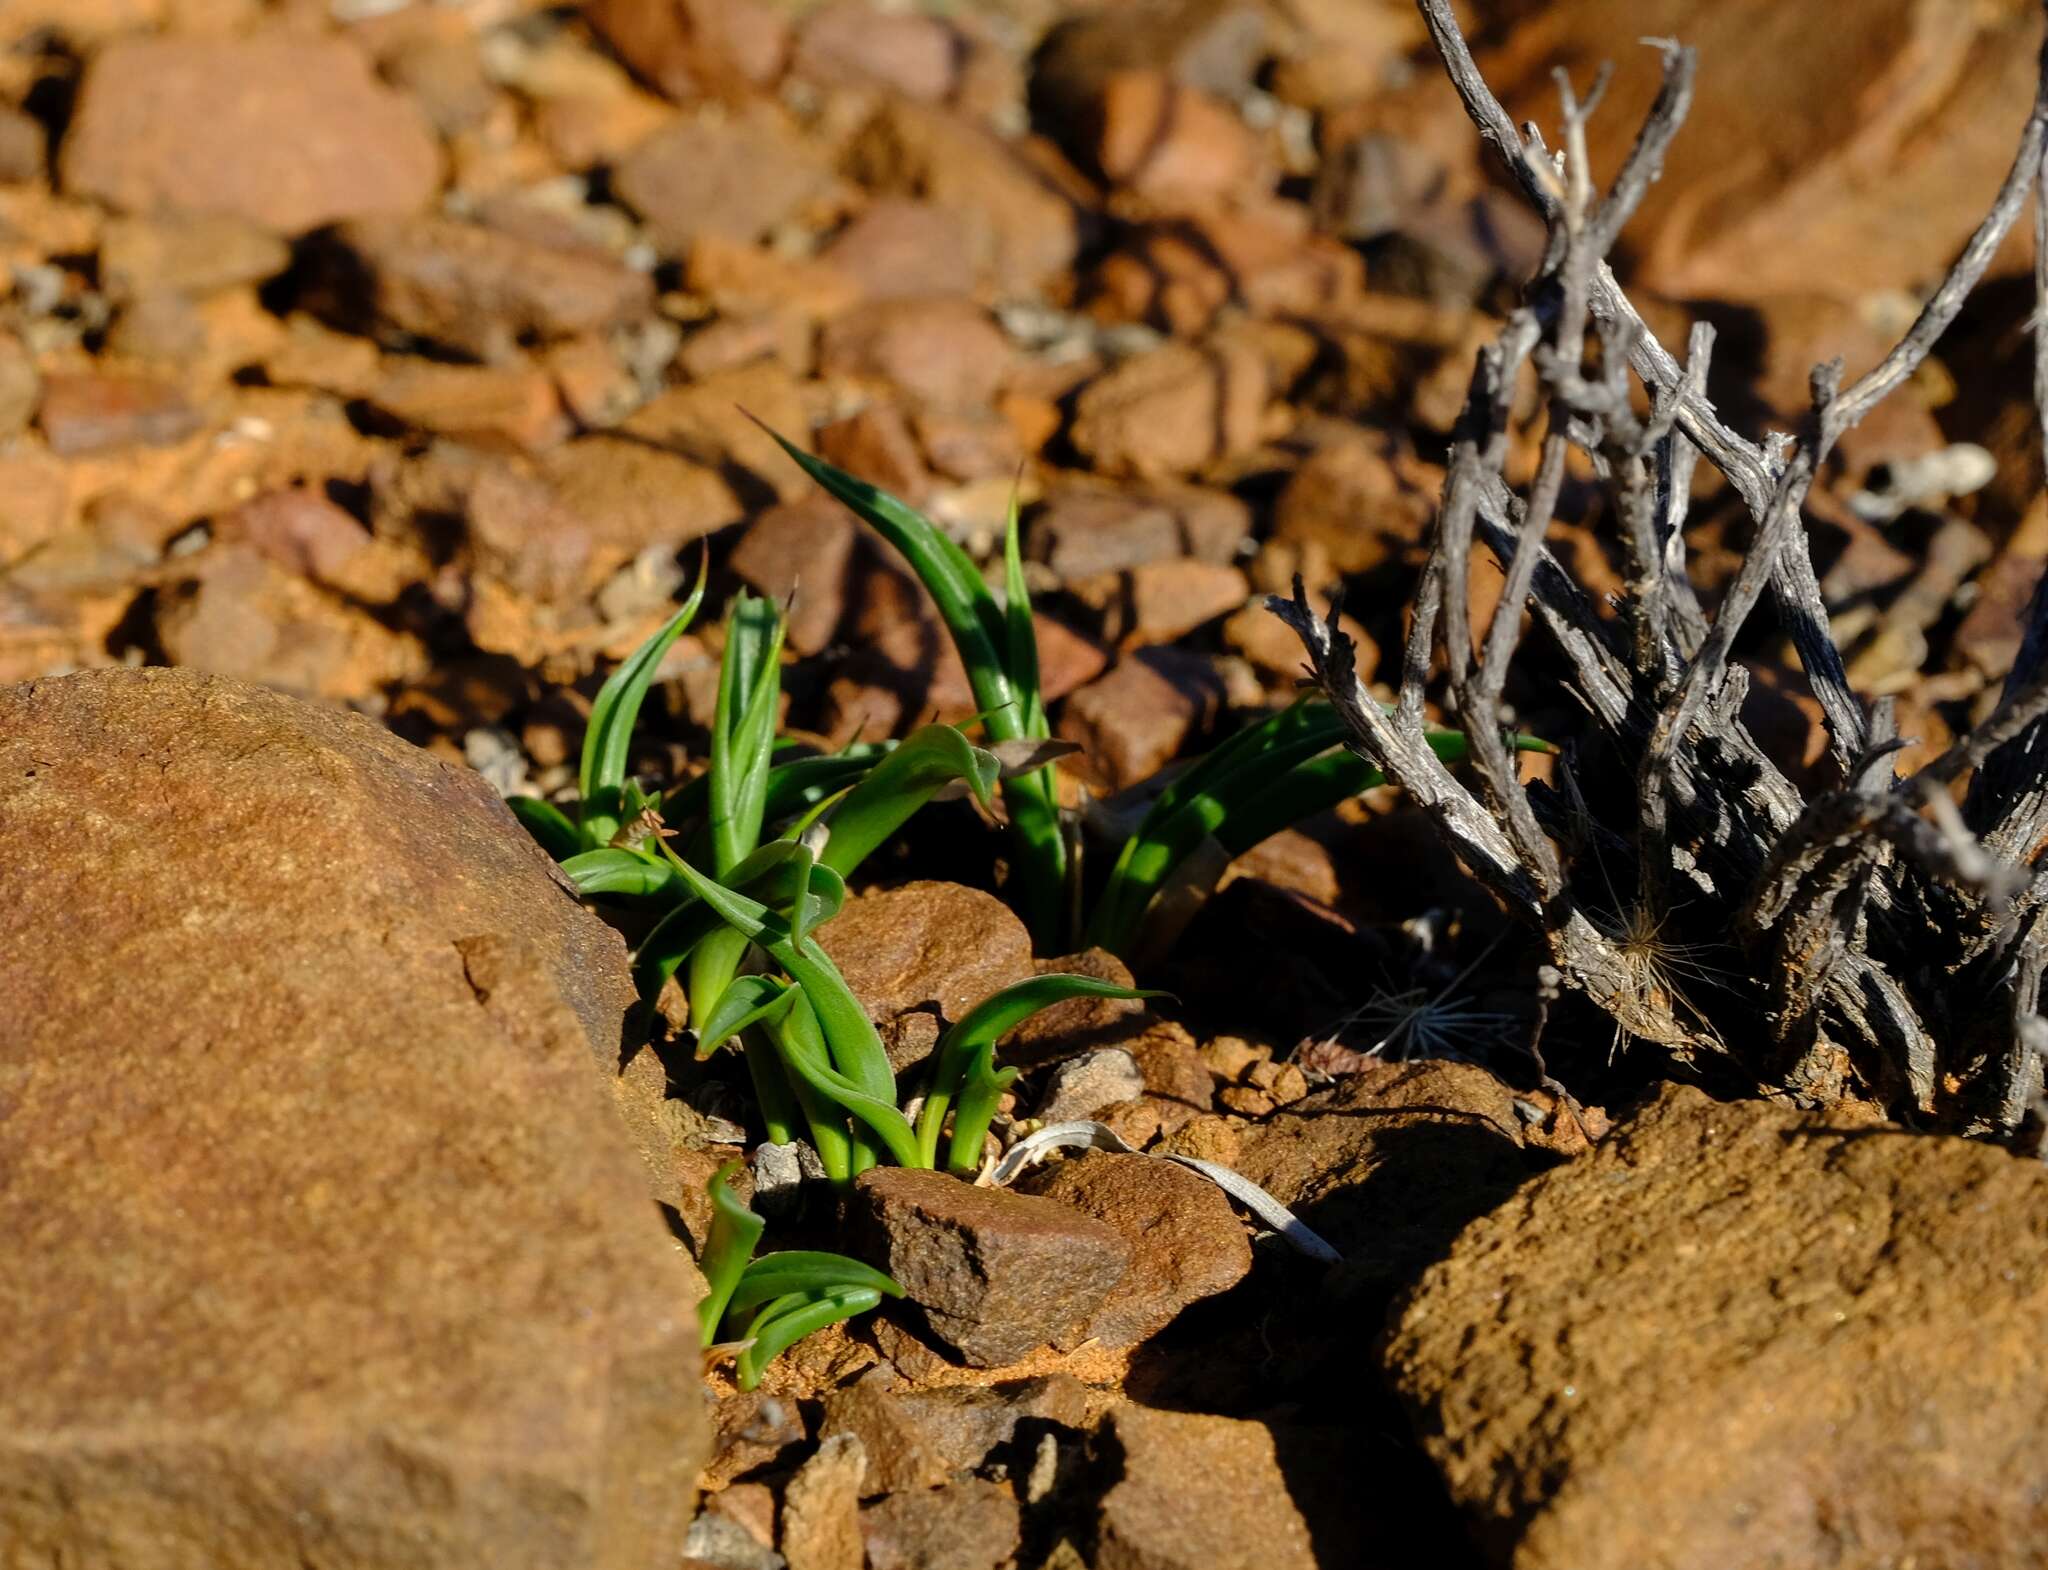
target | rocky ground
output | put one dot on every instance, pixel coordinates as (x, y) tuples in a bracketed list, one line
[(397, 356)]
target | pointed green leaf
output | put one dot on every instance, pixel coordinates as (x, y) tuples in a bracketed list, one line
[(1022, 635), (748, 1000), (619, 872), (991, 645), (797, 1038), (900, 784), (787, 1320), (965, 1052), (548, 824), (805, 1271), (608, 741), (980, 1093), (734, 1231)]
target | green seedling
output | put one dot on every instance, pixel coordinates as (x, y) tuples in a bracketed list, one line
[(851, 802), (964, 1076), (830, 1057), (766, 1305), (999, 647), (607, 797), (1289, 766)]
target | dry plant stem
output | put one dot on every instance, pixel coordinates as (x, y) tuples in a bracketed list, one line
[(1406, 757), (1866, 911), (2008, 802)]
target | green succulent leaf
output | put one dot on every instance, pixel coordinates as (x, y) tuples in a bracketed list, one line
[(548, 824), (774, 1097), (795, 784), (772, 873), (859, 1078), (1021, 634), (743, 728), (798, 1039), (965, 604), (787, 1320), (713, 964), (901, 783), (749, 1000), (981, 1091), (805, 1271), (964, 1057), (999, 649), (607, 743), (619, 872), (1289, 766), (735, 1230)]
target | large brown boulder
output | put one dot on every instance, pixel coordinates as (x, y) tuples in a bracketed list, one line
[(324, 1243), (1735, 1336)]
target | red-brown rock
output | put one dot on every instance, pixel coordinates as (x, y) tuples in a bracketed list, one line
[(901, 247), (1021, 229), (969, 1525), (1171, 410), (941, 351), (478, 290), (848, 43), (1172, 144), (1133, 721), (938, 945), (317, 1095), (736, 178), (1838, 1288), (287, 130), (1186, 1243), (996, 1274), (84, 413), (919, 1439), (687, 48)]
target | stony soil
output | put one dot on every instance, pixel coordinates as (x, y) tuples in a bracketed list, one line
[(379, 367)]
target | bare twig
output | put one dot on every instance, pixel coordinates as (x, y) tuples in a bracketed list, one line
[(1865, 912)]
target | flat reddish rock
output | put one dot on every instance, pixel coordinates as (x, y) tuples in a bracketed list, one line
[(1913, 110), (969, 1525), (901, 247), (1132, 721), (477, 289), (1198, 1493), (1186, 1242), (942, 945), (287, 130), (942, 351), (736, 178), (84, 413), (997, 1274), (326, 1244), (1019, 228), (1170, 410)]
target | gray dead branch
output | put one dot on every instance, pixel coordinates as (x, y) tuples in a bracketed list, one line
[(1874, 938)]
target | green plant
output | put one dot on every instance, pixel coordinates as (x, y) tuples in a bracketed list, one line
[(1288, 766), (999, 647), (768, 1304), (607, 797), (851, 802), (814, 1057), (834, 1070)]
